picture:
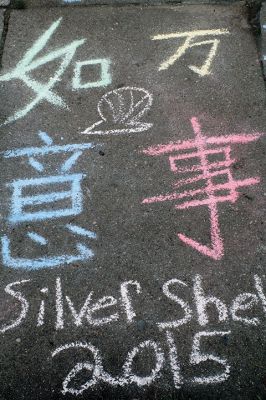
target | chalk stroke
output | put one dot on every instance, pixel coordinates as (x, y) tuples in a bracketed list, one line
[(198, 357), (184, 305), (202, 302), (189, 43), (121, 111), (81, 231), (44, 91), (104, 302), (97, 370), (28, 64), (37, 238), (40, 318), (24, 305), (243, 302), (59, 305), (23, 207), (127, 306), (83, 253), (45, 138), (207, 173), (36, 164), (105, 79), (87, 309), (97, 374), (174, 362), (126, 299), (19, 202), (78, 316)]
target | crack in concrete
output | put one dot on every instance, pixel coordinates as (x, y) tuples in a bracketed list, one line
[(4, 33)]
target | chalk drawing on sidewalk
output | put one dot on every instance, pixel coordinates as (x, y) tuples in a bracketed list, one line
[(121, 111), (99, 375), (126, 306), (199, 306), (198, 357), (202, 148), (190, 43), (104, 80), (45, 91), (60, 196)]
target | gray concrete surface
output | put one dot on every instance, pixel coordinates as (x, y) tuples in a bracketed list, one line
[(4, 3), (263, 36), (214, 353), (51, 3), (1, 30), (1, 22)]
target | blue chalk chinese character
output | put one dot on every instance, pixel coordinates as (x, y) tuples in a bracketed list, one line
[(19, 201), (59, 195)]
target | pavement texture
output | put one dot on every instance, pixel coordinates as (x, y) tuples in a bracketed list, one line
[(263, 36), (52, 3), (132, 255), (1, 22)]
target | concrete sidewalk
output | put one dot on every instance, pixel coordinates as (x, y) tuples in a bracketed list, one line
[(132, 204), (262, 38)]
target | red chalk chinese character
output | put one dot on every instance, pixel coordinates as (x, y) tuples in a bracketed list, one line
[(200, 149)]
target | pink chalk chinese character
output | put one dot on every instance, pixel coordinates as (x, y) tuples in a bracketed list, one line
[(200, 149)]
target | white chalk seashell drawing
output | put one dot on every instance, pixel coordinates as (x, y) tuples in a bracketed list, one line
[(121, 111)]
